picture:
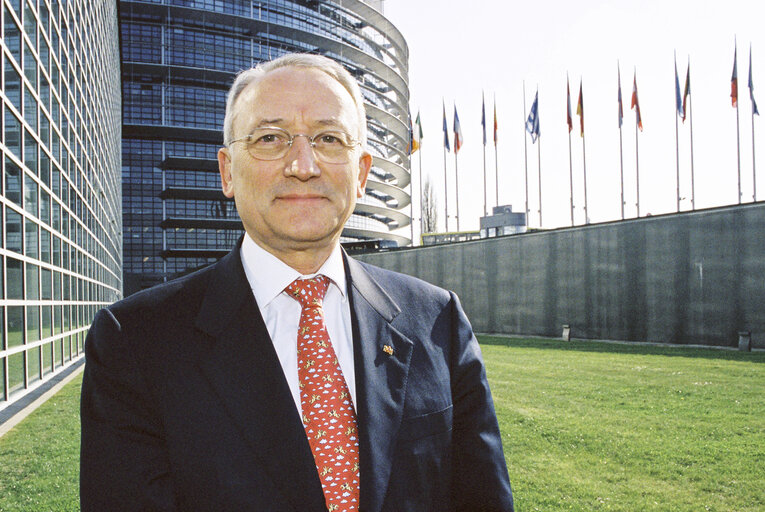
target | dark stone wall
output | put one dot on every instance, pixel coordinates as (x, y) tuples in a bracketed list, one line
[(688, 278)]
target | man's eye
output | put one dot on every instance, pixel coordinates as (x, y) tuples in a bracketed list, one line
[(269, 138), (328, 139)]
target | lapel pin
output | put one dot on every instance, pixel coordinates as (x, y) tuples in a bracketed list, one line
[(388, 349)]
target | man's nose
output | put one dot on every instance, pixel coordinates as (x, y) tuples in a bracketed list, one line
[(301, 160)]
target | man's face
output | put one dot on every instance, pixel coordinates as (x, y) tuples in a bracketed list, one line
[(296, 203)]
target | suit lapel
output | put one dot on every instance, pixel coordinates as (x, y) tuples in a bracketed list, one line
[(381, 356), (242, 367)]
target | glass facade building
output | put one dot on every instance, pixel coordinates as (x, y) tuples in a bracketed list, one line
[(60, 196), (179, 57)]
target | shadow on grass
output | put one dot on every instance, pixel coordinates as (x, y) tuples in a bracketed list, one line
[(622, 348)]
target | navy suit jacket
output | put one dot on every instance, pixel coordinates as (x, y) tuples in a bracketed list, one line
[(185, 406)]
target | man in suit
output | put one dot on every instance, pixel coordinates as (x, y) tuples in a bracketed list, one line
[(227, 390)]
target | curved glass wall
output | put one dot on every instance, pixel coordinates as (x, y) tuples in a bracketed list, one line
[(60, 196), (179, 59)]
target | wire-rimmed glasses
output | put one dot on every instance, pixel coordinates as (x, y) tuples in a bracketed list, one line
[(273, 143)]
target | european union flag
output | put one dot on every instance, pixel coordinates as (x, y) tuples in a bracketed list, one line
[(532, 123)]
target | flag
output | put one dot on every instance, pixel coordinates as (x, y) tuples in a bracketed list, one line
[(636, 104), (734, 82), (678, 99), (687, 91), (417, 134), (483, 118), (751, 85), (446, 130), (580, 110), (569, 121), (495, 120), (458, 140), (532, 123), (619, 97)]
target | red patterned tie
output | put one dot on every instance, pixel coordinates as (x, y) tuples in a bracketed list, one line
[(328, 415)]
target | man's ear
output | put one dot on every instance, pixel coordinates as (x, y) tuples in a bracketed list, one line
[(224, 166), (365, 164)]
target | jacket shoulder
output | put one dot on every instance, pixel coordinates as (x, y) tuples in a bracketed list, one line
[(167, 298)]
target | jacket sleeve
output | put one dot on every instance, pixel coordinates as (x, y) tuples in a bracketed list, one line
[(480, 481), (123, 462)]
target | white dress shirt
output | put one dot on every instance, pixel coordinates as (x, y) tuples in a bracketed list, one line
[(268, 277)]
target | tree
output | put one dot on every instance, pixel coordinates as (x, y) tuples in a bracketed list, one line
[(429, 208)]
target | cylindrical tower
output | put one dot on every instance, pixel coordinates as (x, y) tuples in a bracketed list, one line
[(179, 59)]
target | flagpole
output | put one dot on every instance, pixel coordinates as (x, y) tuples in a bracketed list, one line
[(621, 166), (446, 197), (621, 150), (580, 111), (457, 186), (637, 170), (496, 161), (690, 120), (734, 85), (525, 156), (571, 177), (754, 167), (738, 152), (422, 220), (483, 113), (446, 180), (677, 141), (569, 122), (539, 171), (411, 200), (584, 162), (754, 109)]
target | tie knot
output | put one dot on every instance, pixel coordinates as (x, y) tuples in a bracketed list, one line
[(309, 292)]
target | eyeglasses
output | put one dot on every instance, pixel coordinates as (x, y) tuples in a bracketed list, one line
[(273, 143)]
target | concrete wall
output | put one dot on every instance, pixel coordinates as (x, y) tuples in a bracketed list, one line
[(691, 278)]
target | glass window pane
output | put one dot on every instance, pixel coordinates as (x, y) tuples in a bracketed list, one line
[(58, 319), (47, 321), (33, 363), (56, 251), (56, 285), (57, 349), (30, 23), (45, 167), (13, 85), (45, 245), (33, 324), (13, 230), (15, 373), (30, 152), (15, 326), (12, 181), (2, 380), (30, 108), (30, 239), (33, 282), (12, 133), (14, 271), (30, 66), (30, 195), (12, 36), (47, 358)]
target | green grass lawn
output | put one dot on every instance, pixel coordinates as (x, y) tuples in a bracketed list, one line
[(40, 457), (586, 426), (593, 426)]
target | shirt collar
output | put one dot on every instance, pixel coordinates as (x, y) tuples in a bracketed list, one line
[(269, 276)]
